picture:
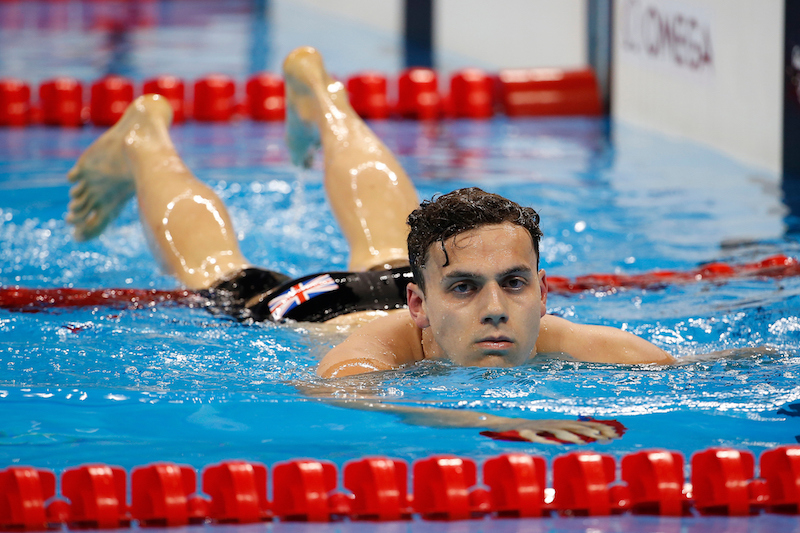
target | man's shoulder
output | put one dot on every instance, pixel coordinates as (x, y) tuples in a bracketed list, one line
[(398, 333), (386, 342), (552, 331), (602, 344)]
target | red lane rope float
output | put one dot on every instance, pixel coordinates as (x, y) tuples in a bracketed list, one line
[(777, 266), (62, 102), (445, 487), (368, 95), (551, 92), (173, 89), (33, 300), (472, 94), (110, 97)]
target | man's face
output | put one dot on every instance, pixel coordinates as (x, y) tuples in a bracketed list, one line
[(485, 306)]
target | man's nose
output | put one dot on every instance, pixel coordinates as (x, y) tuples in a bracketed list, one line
[(495, 311)]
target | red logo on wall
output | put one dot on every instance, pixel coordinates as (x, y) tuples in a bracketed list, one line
[(668, 32)]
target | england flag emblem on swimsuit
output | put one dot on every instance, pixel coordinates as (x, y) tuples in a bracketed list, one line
[(300, 293)]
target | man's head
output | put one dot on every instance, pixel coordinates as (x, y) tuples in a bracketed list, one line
[(478, 289), (448, 215)]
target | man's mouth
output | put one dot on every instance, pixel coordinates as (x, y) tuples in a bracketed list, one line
[(495, 343)]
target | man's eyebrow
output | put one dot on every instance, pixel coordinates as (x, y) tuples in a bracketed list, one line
[(521, 269), (461, 274), (464, 274)]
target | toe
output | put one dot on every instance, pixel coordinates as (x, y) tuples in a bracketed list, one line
[(78, 189), (92, 226), (80, 206), (79, 212), (74, 174)]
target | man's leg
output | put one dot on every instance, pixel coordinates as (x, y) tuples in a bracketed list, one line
[(370, 193), (187, 225)]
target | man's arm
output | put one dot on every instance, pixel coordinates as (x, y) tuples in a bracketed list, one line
[(382, 344), (598, 344), (360, 395), (542, 431)]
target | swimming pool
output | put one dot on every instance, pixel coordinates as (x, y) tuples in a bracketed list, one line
[(174, 383)]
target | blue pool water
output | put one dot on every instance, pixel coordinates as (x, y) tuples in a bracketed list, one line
[(174, 383)]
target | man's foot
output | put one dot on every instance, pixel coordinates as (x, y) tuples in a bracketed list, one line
[(103, 176), (305, 78)]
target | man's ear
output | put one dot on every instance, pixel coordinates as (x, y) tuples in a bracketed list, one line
[(416, 305), (543, 289)]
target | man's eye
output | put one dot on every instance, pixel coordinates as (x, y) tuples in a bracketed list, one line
[(516, 283), (461, 288)]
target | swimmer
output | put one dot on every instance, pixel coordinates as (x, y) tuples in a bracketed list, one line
[(463, 284)]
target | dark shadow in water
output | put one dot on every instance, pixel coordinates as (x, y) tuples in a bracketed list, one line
[(260, 36), (791, 117), (791, 198), (118, 40)]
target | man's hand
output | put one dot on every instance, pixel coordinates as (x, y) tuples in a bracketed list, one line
[(581, 431)]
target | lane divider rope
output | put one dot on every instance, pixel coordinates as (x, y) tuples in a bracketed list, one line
[(416, 95), (444, 487), (773, 267)]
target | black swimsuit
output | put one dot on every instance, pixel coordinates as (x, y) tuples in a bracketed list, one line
[(260, 294)]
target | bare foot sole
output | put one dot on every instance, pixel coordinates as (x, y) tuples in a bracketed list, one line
[(304, 72), (102, 176), (302, 138)]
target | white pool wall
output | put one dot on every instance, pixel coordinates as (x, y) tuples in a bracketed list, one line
[(732, 100), (467, 33)]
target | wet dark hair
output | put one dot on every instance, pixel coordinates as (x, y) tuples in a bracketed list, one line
[(462, 210)]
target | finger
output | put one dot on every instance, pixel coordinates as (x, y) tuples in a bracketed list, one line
[(594, 430), (568, 436), (607, 432), (521, 436), (585, 430), (512, 435), (546, 437), (615, 426)]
